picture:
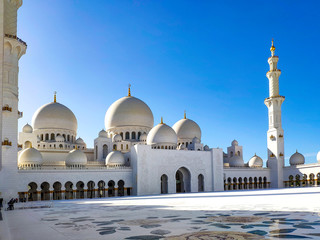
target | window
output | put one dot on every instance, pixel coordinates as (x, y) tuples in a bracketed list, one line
[(127, 135)]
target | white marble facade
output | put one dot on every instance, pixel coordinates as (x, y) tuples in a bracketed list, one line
[(132, 155)]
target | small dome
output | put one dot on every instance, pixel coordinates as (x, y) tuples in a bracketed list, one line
[(195, 140), (206, 148), (128, 111), (296, 159), (117, 138), (162, 134), (318, 157), (255, 161), (236, 161), (234, 143), (143, 137), (103, 134), (27, 128), (187, 129), (59, 138), (76, 157), (115, 158), (30, 156), (54, 116), (79, 141)]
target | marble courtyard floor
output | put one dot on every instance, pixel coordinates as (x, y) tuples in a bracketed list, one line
[(257, 214)]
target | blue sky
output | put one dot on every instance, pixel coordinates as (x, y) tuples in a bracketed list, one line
[(206, 57)]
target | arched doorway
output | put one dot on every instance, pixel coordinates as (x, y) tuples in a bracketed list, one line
[(32, 191), (104, 151), (111, 188), (90, 193), (80, 190), (57, 191), (45, 192), (101, 189), (164, 184), (183, 180), (200, 183), (121, 188), (69, 190)]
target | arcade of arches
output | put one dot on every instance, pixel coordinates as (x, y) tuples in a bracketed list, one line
[(246, 183), (303, 180), (79, 190)]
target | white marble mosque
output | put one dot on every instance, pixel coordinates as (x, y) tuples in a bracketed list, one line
[(134, 154)]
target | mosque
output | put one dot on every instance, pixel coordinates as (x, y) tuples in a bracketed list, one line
[(133, 155)]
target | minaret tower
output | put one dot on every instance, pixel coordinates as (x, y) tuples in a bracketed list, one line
[(11, 49), (275, 132)]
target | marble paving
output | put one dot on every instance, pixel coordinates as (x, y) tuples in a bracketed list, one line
[(257, 214)]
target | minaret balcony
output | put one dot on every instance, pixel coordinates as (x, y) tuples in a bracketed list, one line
[(6, 108), (15, 37), (6, 143)]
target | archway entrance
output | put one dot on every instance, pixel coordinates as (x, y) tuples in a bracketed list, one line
[(164, 184), (183, 180)]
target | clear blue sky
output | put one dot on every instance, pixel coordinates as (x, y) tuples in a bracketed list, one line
[(208, 57)]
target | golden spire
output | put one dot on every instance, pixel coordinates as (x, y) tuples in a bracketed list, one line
[(161, 120), (129, 90), (185, 115), (55, 97), (272, 49)]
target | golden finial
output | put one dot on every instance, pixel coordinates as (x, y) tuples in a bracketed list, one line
[(55, 97), (272, 49), (129, 90), (161, 120), (185, 114)]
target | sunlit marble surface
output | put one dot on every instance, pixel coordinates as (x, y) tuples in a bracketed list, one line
[(258, 214)]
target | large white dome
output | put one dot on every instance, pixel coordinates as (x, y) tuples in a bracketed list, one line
[(54, 115), (76, 157), (187, 129), (296, 159), (128, 111), (162, 134), (30, 156), (115, 158)]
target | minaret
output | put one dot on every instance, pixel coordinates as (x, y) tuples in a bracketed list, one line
[(11, 49), (275, 132)]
